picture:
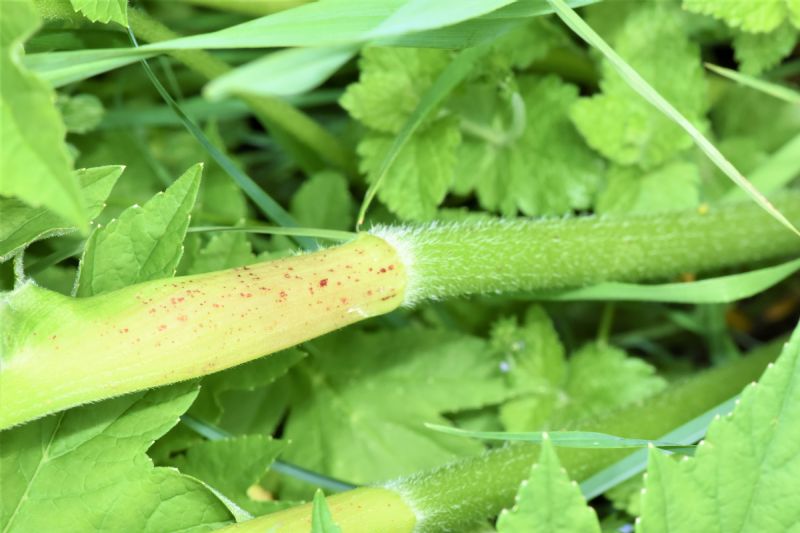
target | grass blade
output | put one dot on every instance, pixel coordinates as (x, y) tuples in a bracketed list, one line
[(773, 89), (449, 78), (782, 167), (635, 463), (264, 201), (284, 73), (646, 91), (723, 289), (327, 234), (563, 439)]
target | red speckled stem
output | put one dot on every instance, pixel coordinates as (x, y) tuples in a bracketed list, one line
[(58, 352)]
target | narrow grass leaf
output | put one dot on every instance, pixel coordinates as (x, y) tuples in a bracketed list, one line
[(347, 22), (264, 201), (283, 73), (636, 462), (779, 170), (723, 289), (646, 91), (315, 233), (767, 87), (444, 84), (563, 439)]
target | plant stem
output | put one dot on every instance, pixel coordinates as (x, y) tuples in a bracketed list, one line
[(169, 330), (447, 260), (454, 496)]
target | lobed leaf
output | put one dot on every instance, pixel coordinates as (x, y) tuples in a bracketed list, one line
[(20, 224), (35, 165), (143, 244)]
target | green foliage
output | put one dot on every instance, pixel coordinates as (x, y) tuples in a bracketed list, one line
[(620, 124), (86, 469), (744, 475), (103, 10), (386, 385), (483, 110), (35, 165), (757, 52), (554, 389), (232, 466), (143, 244), (21, 224), (750, 16), (548, 501)]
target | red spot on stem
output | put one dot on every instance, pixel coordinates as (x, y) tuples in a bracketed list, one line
[(323, 282)]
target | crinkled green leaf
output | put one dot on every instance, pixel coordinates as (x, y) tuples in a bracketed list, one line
[(757, 52), (422, 173), (224, 250), (103, 10), (321, 519), (232, 466), (35, 165), (324, 202), (618, 122), (81, 113), (86, 470), (594, 380), (749, 15), (21, 224), (744, 476), (143, 244), (359, 403), (674, 186), (538, 164), (548, 501), (391, 83), (234, 392)]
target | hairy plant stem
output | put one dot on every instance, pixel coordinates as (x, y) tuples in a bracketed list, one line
[(58, 352), (448, 260), (455, 496)]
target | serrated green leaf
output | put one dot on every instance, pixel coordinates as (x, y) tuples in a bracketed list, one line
[(744, 476), (595, 379), (759, 16), (103, 10), (81, 113), (232, 466), (21, 224), (674, 186), (618, 122), (143, 244), (35, 165), (757, 52), (86, 470), (548, 501), (391, 84), (525, 156), (422, 173), (324, 201), (224, 250), (321, 519), (385, 385)]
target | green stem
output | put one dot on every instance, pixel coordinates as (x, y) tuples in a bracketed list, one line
[(454, 496), (170, 330), (447, 260)]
